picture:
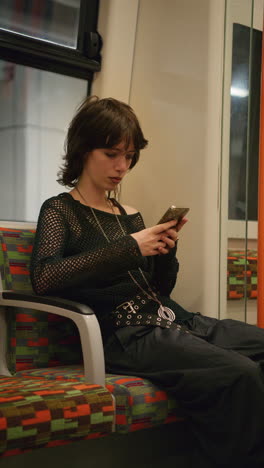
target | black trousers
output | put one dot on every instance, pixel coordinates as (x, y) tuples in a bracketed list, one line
[(216, 372)]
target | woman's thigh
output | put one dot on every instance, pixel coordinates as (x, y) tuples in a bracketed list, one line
[(179, 361), (229, 334)]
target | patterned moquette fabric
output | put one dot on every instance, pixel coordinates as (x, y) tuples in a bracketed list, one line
[(242, 274), (139, 403), (41, 413), (16, 248), (35, 339)]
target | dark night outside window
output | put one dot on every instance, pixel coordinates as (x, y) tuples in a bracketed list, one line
[(245, 111)]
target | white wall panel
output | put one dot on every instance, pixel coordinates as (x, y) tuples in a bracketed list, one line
[(175, 75)]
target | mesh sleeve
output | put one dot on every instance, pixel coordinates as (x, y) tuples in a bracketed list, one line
[(166, 269), (51, 270)]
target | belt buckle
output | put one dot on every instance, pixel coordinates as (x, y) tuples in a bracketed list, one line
[(128, 306)]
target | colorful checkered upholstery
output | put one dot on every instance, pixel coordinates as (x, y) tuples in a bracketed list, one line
[(15, 254), (35, 339), (242, 274), (139, 403), (42, 413)]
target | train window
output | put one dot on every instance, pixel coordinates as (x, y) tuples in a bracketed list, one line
[(36, 107), (54, 35), (244, 126), (53, 21), (49, 51)]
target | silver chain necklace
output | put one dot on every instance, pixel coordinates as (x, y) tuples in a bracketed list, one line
[(163, 311)]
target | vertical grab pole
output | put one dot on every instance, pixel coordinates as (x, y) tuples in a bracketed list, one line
[(261, 199)]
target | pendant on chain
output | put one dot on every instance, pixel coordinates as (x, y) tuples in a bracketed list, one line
[(166, 313)]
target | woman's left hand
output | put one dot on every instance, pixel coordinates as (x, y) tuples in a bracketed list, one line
[(180, 224), (171, 236)]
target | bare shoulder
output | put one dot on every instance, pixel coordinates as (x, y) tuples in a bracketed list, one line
[(129, 209)]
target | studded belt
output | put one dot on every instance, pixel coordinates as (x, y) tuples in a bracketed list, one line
[(131, 313)]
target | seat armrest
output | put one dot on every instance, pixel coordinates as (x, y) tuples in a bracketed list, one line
[(82, 315), (48, 300)]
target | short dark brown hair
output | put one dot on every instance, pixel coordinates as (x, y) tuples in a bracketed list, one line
[(98, 123)]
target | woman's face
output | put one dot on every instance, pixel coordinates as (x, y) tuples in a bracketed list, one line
[(106, 167)]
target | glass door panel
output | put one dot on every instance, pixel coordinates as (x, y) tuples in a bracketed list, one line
[(239, 199)]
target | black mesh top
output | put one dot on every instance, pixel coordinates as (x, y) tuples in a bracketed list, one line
[(72, 258)]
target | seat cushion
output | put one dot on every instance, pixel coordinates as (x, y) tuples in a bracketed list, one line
[(139, 403), (39, 412)]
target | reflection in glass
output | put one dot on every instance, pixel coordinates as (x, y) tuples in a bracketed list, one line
[(35, 110), (49, 20), (243, 174), (242, 141)]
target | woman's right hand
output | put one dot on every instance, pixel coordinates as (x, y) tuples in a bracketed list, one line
[(151, 241)]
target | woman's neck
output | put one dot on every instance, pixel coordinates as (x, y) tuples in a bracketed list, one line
[(96, 200)]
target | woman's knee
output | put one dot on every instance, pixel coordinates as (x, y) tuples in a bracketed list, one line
[(247, 370)]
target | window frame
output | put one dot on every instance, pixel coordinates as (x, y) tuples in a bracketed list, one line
[(81, 62)]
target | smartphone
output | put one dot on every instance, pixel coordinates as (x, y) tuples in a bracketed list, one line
[(173, 213)]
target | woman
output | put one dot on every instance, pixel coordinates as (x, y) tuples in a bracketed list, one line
[(91, 249)]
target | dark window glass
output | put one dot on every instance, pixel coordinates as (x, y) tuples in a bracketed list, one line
[(244, 128), (54, 21), (54, 35)]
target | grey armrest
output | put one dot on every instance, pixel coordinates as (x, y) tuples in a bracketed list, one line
[(83, 317)]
